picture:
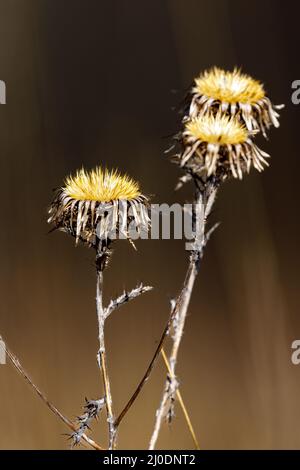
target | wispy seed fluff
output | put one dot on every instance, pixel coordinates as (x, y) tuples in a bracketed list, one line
[(94, 205), (219, 145), (236, 94)]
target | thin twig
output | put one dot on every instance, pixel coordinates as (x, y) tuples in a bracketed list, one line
[(16, 363), (102, 363), (181, 402), (125, 297)]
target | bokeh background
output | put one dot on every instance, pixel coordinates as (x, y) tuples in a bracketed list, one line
[(92, 82)]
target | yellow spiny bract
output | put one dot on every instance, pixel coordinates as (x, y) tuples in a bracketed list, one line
[(100, 185), (219, 129), (229, 87)]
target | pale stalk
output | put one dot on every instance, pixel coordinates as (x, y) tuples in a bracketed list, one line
[(203, 203), (102, 362)]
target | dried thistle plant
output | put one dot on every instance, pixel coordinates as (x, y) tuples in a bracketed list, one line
[(96, 207), (224, 112)]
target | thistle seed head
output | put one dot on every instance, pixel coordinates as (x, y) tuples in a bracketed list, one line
[(234, 93), (218, 145), (97, 206)]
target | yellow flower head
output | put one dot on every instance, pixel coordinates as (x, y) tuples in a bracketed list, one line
[(97, 206), (219, 145), (219, 129), (100, 185), (229, 87)]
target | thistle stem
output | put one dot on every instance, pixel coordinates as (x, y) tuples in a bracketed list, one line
[(102, 361), (202, 206), (187, 293), (182, 311)]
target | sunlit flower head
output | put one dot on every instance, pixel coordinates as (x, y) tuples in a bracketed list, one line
[(101, 186), (219, 145), (95, 206), (218, 129), (234, 93), (229, 87)]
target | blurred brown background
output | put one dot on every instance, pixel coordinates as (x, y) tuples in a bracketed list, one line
[(92, 82)]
